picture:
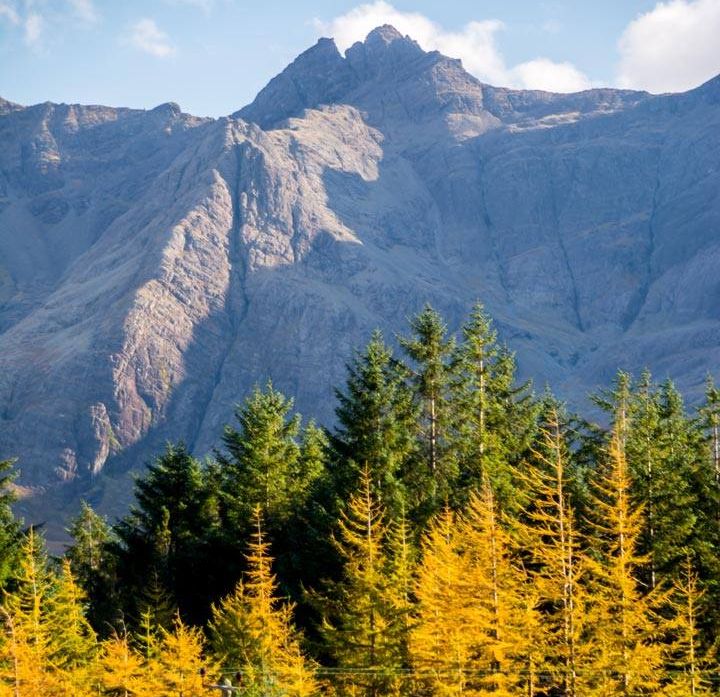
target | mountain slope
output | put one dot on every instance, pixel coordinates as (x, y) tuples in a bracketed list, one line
[(154, 266)]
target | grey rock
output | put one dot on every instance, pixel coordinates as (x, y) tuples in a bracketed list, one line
[(155, 266)]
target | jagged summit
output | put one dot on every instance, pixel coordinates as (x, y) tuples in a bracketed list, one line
[(389, 75), (383, 34)]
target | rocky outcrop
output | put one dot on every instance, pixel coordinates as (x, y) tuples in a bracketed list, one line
[(154, 266)]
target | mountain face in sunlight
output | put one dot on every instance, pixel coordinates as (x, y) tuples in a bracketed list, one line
[(155, 265)]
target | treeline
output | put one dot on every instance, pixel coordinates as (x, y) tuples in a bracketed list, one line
[(453, 534)]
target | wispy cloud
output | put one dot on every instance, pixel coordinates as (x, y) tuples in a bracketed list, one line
[(84, 10), (475, 44), (33, 24), (146, 36), (672, 47), (9, 13)]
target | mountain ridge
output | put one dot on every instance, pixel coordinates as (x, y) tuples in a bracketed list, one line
[(155, 265)]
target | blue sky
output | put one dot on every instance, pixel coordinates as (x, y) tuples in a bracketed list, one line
[(212, 56)]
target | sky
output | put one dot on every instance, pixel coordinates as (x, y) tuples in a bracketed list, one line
[(212, 56)]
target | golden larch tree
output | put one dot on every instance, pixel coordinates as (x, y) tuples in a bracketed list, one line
[(444, 637), (559, 561), (685, 661), (623, 624), (506, 649), (252, 630), (364, 622)]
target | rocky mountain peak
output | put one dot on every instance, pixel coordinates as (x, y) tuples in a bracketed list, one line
[(384, 34), (318, 75), (384, 47)]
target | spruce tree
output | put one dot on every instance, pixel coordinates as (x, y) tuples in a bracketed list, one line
[(93, 565), (259, 458), (376, 421), (494, 419), (435, 471), (10, 528), (170, 532)]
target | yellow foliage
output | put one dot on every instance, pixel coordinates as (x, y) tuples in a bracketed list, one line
[(443, 640), (623, 625), (121, 671), (555, 546), (252, 629)]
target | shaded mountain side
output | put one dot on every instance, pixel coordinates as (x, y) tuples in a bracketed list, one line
[(154, 266)]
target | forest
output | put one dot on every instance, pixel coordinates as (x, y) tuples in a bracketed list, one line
[(454, 533)]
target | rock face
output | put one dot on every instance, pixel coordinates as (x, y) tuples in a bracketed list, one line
[(154, 266)]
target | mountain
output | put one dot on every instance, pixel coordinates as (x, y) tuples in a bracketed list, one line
[(155, 265)]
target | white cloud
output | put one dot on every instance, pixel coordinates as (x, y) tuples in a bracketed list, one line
[(8, 12), (475, 44), (84, 10), (673, 47), (544, 74), (33, 29), (148, 37)]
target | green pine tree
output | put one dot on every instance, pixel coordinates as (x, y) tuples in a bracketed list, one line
[(170, 531), (435, 471), (10, 527), (494, 418), (376, 422)]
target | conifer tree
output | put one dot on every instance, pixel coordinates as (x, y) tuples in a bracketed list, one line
[(552, 539), (251, 629), (181, 664), (169, 532), (444, 639), (710, 416), (311, 464), (376, 424), (156, 609), (121, 671), (364, 625), (684, 654), (72, 644), (627, 658), (26, 641), (662, 460), (300, 542), (507, 648), (93, 565), (494, 418), (260, 458), (10, 529), (431, 350), (706, 487)]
